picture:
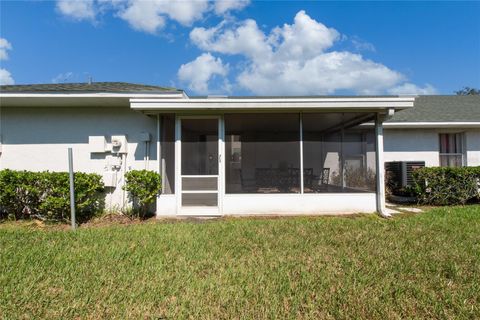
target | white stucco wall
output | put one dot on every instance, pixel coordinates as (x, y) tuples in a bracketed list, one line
[(281, 204), (423, 145), (411, 145), (296, 204), (37, 139), (472, 138)]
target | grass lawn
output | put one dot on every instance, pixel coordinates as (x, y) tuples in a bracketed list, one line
[(411, 266)]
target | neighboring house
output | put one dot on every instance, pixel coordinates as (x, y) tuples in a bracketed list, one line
[(439, 130), (219, 155)]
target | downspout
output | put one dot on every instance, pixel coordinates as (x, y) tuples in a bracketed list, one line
[(380, 163), (124, 193), (342, 159), (1, 137), (146, 158)]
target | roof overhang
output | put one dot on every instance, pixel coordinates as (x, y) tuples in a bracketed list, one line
[(376, 104), (180, 102), (79, 99), (432, 125)]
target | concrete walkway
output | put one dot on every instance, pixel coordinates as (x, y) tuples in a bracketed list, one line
[(393, 209)]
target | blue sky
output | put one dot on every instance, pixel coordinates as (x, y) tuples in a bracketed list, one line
[(245, 47)]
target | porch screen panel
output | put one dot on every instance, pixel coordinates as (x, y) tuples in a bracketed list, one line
[(338, 153), (359, 158), (199, 184), (262, 153), (199, 146), (167, 147), (200, 200)]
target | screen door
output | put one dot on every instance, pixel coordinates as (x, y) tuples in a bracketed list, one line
[(199, 165)]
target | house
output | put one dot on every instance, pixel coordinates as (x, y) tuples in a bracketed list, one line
[(440, 130), (217, 155)]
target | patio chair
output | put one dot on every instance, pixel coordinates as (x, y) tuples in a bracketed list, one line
[(323, 180)]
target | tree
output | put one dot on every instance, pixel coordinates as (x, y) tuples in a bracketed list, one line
[(467, 91)]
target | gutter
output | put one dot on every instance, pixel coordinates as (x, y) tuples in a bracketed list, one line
[(443, 124), (304, 103)]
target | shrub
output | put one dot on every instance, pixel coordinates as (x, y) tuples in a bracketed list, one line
[(356, 178), (143, 187), (447, 186), (46, 195), (393, 186)]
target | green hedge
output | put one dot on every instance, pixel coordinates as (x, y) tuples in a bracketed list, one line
[(447, 186), (46, 195), (143, 187)]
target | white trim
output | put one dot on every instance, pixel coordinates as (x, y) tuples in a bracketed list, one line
[(301, 152), (451, 124), (380, 167), (159, 161), (178, 164), (293, 194), (188, 210), (94, 95), (354, 103), (294, 99), (221, 161)]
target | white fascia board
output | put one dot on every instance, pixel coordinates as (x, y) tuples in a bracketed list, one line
[(400, 125), (94, 95), (79, 99), (272, 103)]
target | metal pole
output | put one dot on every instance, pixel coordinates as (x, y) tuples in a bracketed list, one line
[(72, 188)]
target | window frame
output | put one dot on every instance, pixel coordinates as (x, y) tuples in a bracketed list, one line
[(461, 138)]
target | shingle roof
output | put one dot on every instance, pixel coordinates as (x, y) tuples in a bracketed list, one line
[(94, 87), (441, 109)]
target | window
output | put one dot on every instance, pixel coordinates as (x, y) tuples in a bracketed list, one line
[(262, 153), (451, 149), (338, 153)]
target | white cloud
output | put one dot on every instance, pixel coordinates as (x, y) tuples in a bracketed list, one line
[(6, 77), (199, 72), (148, 15), (143, 16), (246, 40), (323, 74), (77, 9), (412, 89), (361, 45), (296, 59), (4, 47), (62, 77), (303, 39), (223, 6)]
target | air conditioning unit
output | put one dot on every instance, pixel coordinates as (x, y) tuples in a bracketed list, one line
[(401, 171)]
